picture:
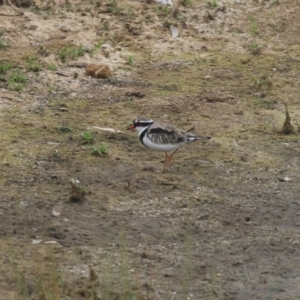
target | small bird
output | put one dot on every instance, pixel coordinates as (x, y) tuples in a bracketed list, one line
[(163, 137)]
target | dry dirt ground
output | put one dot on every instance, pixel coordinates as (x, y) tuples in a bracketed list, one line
[(222, 223)]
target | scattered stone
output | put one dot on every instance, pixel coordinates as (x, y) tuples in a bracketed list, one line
[(164, 2), (98, 71), (105, 129), (174, 31), (36, 241), (285, 179), (56, 212)]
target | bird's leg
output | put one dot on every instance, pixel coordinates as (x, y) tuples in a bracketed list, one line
[(165, 162), (171, 156), (168, 159)]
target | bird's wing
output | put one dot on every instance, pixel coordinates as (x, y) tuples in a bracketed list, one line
[(162, 133)]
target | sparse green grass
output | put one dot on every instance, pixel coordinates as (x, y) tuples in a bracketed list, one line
[(213, 4), (253, 25), (106, 26), (262, 83), (113, 7), (130, 60), (5, 66), (33, 64), (64, 129), (254, 48), (186, 3), (71, 52), (100, 150), (88, 137), (265, 103), (21, 281), (52, 67), (163, 10), (3, 45), (51, 88), (98, 46), (16, 80), (164, 93)]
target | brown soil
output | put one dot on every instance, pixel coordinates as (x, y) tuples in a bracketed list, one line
[(221, 223)]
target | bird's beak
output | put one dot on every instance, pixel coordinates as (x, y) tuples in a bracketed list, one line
[(131, 127)]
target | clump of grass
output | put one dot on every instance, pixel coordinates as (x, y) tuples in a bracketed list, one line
[(130, 60), (5, 66), (265, 103), (186, 3), (52, 67), (113, 7), (77, 192), (163, 10), (64, 129), (253, 25), (106, 26), (98, 45), (16, 80), (212, 4), (88, 137), (100, 150), (33, 64), (263, 83), (71, 52), (3, 45), (254, 48), (42, 50)]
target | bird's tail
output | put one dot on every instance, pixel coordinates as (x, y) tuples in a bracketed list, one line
[(192, 138), (203, 137)]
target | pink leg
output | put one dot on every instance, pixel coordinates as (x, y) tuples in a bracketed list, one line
[(168, 159), (171, 156)]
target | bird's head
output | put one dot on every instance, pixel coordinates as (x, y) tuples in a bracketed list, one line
[(140, 124)]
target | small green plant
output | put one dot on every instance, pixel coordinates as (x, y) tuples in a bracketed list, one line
[(16, 80), (186, 3), (253, 25), (213, 4), (52, 67), (4, 66), (254, 48), (88, 137), (100, 150), (3, 45), (98, 45), (130, 60), (42, 50), (78, 192), (64, 129), (262, 83), (51, 88), (113, 7), (106, 26), (33, 64), (71, 52), (163, 10), (164, 93)]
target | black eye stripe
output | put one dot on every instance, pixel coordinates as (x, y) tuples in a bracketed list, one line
[(139, 124)]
